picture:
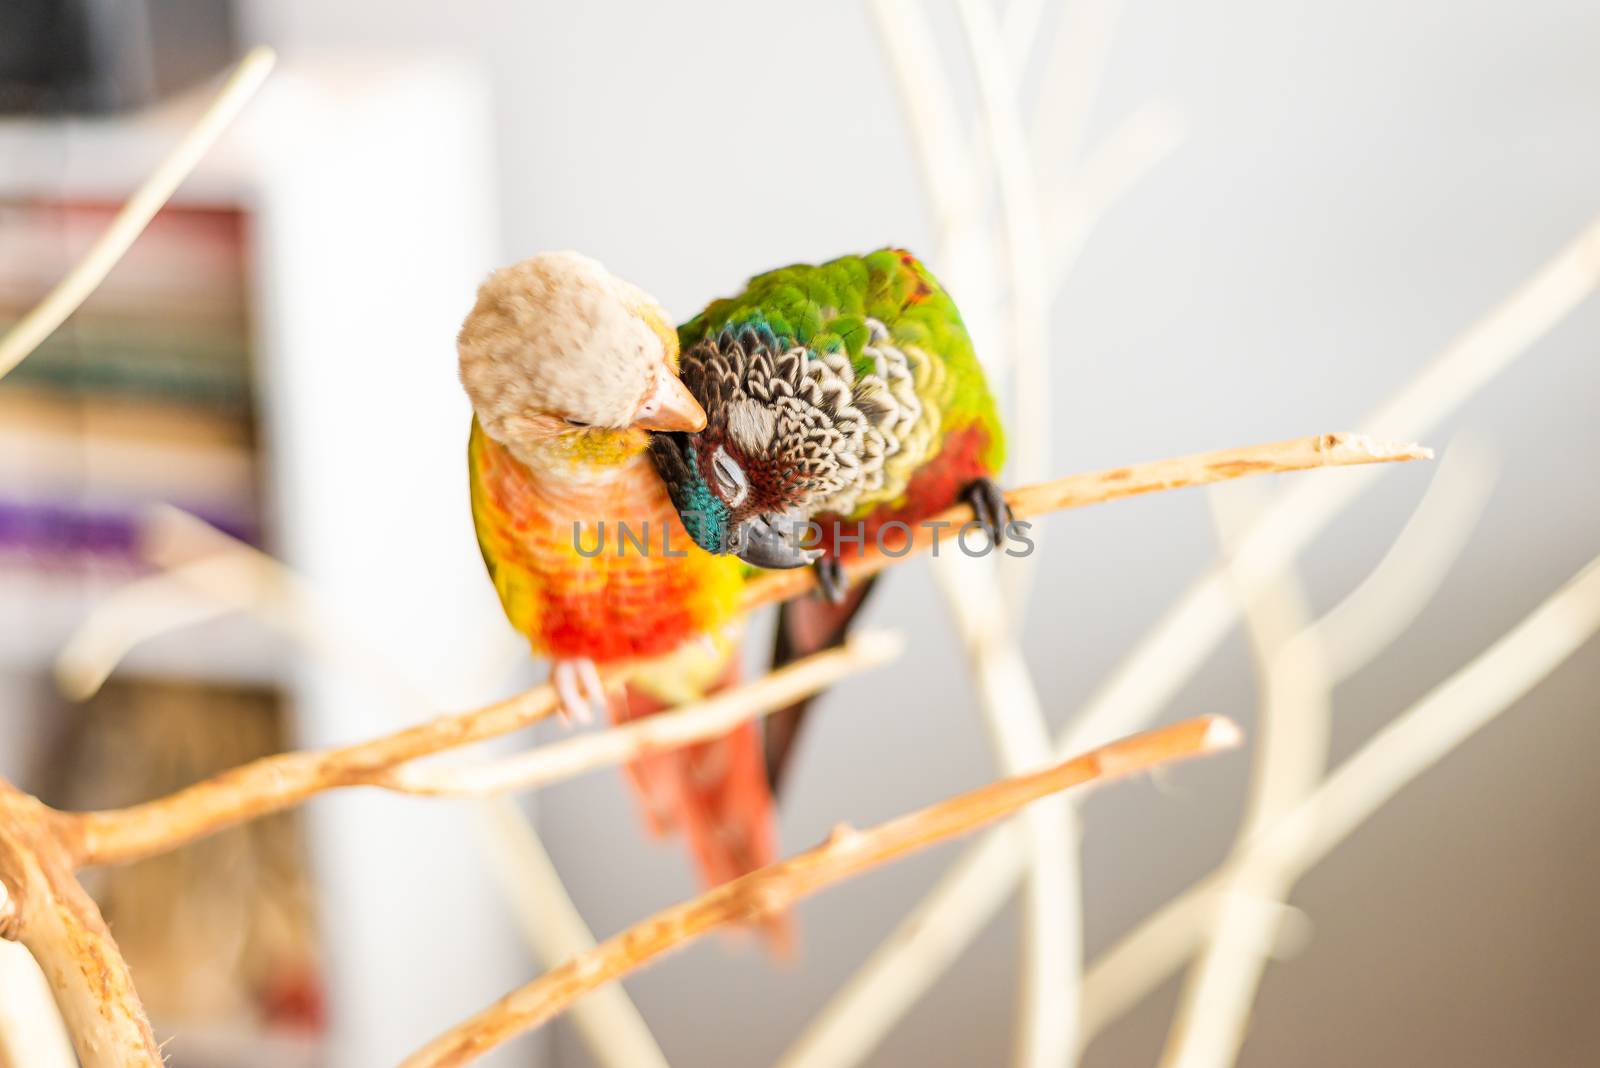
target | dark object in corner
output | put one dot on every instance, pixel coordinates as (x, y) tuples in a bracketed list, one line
[(97, 56)]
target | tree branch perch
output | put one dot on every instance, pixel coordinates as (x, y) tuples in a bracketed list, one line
[(280, 781), (776, 887), (276, 782), (1099, 487)]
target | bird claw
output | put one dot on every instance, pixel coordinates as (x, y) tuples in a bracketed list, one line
[(989, 508), (582, 694), (831, 581)]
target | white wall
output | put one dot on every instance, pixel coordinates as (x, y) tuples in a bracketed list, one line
[(1362, 181)]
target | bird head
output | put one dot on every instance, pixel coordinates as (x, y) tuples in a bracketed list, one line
[(561, 358), (787, 438), (733, 499)]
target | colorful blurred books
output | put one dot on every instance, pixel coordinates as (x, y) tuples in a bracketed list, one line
[(143, 396)]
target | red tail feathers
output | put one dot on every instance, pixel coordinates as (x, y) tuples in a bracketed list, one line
[(715, 792)]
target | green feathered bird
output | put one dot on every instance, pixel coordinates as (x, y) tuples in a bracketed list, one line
[(845, 394)]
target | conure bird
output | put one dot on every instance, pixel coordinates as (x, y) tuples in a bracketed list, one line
[(569, 369), (845, 394)]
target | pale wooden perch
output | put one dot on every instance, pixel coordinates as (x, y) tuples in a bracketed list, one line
[(95, 653), (43, 906), (1098, 487), (681, 726), (280, 781), (1404, 748), (778, 886), (974, 888), (276, 782), (48, 912), (285, 779), (108, 250)]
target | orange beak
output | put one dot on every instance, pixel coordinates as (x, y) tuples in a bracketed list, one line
[(670, 406)]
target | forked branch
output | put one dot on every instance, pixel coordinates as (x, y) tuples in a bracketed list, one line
[(277, 782), (280, 781), (776, 887)]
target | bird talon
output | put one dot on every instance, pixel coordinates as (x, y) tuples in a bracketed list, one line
[(831, 581), (599, 703), (578, 685), (989, 508)]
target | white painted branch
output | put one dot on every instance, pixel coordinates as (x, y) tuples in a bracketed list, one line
[(611, 1026), (1022, 221), (1052, 939), (944, 159), (1413, 742), (1377, 610), (1073, 73), (68, 294), (231, 575), (133, 614), (973, 889), (1052, 935), (1128, 153), (1292, 731), (771, 889)]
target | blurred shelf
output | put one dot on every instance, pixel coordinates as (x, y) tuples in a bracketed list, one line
[(39, 610), (364, 189)]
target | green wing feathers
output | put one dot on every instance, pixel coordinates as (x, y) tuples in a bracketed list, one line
[(833, 307)]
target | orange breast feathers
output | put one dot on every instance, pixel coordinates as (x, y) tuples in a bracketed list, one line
[(592, 560)]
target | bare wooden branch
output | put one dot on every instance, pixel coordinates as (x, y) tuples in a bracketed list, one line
[(277, 782), (1097, 487), (41, 903), (583, 753), (280, 781), (1293, 727), (1298, 665), (1051, 952), (778, 886), (49, 913), (32, 329), (1051, 909), (611, 1025), (230, 574), (1073, 70), (1386, 602), (1134, 148), (946, 160), (981, 880), (96, 654), (1410, 744)]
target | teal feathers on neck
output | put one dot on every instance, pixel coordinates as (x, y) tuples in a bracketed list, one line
[(704, 516)]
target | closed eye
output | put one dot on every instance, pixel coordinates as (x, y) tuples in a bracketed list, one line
[(730, 477)]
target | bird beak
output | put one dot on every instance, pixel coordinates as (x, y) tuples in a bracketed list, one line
[(755, 541), (670, 406)]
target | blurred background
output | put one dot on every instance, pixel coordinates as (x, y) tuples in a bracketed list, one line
[(1341, 190)]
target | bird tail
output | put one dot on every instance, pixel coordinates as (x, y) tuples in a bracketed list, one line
[(806, 626), (715, 792)]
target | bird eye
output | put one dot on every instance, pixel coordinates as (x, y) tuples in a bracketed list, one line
[(730, 477), (578, 423)]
